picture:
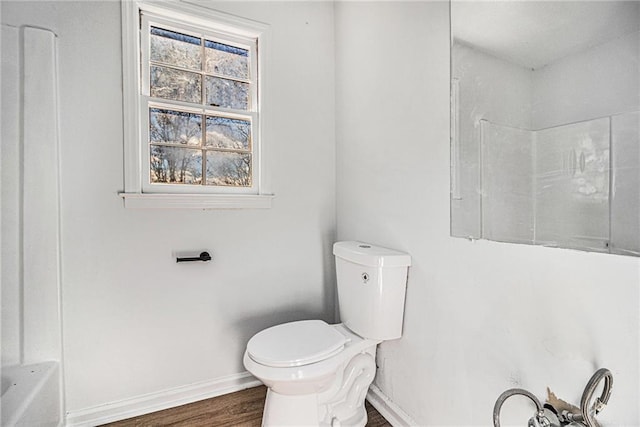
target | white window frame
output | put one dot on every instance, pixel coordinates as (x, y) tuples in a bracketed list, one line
[(136, 16)]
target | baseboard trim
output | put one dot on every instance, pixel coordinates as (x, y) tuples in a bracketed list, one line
[(158, 401), (389, 410)]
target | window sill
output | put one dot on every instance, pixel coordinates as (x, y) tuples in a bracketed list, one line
[(196, 201)]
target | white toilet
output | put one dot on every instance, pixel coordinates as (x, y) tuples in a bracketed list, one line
[(318, 374)]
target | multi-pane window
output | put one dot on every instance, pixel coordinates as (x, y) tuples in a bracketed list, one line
[(199, 91)]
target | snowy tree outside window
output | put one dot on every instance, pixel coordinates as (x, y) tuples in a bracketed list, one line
[(199, 87)]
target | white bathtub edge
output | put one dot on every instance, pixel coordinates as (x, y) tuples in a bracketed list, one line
[(388, 409), (158, 401)]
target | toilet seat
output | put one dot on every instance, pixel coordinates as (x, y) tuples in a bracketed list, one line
[(295, 344)]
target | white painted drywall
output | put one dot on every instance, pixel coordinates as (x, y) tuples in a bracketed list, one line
[(593, 83), (481, 317), (535, 33), (135, 322)]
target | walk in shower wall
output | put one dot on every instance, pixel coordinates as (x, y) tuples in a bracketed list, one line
[(31, 323), (625, 199), (487, 89), (507, 183), (573, 186)]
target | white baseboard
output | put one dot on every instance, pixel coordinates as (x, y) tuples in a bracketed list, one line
[(389, 410), (158, 401)]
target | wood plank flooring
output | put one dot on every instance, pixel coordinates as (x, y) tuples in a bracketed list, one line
[(240, 409)]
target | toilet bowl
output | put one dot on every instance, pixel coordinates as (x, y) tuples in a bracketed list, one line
[(313, 375), (318, 374), (310, 365)]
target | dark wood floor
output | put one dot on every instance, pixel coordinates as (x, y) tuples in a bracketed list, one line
[(240, 409)]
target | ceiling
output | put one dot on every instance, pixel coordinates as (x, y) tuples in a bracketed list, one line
[(536, 33)]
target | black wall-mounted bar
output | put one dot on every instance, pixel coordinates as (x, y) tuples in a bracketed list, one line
[(204, 256)]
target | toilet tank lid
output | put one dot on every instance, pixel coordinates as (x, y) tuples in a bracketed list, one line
[(370, 255)]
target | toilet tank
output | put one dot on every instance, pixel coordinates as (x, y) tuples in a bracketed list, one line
[(372, 282)]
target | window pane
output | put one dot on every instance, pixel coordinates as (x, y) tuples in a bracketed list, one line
[(228, 133), (228, 60), (175, 48), (232, 169), (227, 93), (175, 165), (174, 84), (174, 127)]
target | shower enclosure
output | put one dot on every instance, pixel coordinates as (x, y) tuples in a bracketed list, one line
[(31, 322), (545, 123), (574, 185)]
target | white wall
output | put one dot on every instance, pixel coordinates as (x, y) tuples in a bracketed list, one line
[(135, 322), (481, 317), (594, 83)]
